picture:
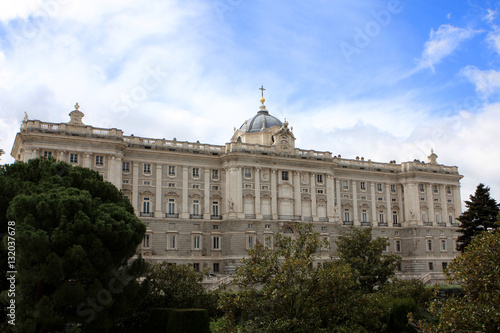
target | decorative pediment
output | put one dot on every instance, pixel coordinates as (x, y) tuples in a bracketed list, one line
[(283, 139)]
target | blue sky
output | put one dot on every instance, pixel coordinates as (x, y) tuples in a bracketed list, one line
[(386, 80)]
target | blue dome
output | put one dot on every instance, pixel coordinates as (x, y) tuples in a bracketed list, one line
[(261, 121)]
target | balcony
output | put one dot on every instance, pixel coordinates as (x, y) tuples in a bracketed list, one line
[(172, 216), (323, 219), (366, 224), (195, 216), (428, 224), (441, 224), (267, 217), (347, 222), (146, 214), (216, 217), (383, 224), (397, 225)]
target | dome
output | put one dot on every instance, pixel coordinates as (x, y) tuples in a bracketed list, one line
[(261, 121)]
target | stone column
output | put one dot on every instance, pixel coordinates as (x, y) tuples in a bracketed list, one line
[(330, 205), (355, 203), (258, 213), (206, 192), (444, 204), (314, 205), (412, 204), (135, 187), (87, 160), (374, 203), (158, 195), (274, 195), (297, 196), (185, 193), (339, 203), (401, 212), (115, 171), (388, 200), (239, 193), (457, 201), (430, 201)]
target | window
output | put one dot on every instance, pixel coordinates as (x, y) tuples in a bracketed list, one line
[(393, 188), (216, 242), (196, 242), (443, 244), (146, 242), (448, 191), (363, 197), (395, 217), (171, 170), (444, 265), (171, 185), (323, 229), (268, 241), (147, 168), (215, 187), (347, 216), (126, 166), (99, 160), (345, 184), (215, 208), (264, 187), (146, 183), (362, 186), (172, 241), (196, 207), (450, 219), (381, 217), (250, 226), (171, 206), (435, 187), (125, 181), (215, 227), (431, 266), (47, 154), (73, 158), (394, 199), (248, 173), (319, 179), (267, 226), (396, 233), (421, 187), (215, 174), (398, 246), (429, 245), (380, 198), (196, 267), (379, 187), (196, 186), (216, 267), (145, 205), (284, 175), (250, 242), (196, 172), (422, 198), (248, 186), (320, 191), (304, 190), (364, 216)]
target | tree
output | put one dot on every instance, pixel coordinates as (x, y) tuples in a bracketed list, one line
[(481, 214), (74, 235), (171, 286), (371, 267), (477, 269), (282, 290)]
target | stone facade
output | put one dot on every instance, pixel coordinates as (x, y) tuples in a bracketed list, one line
[(206, 205)]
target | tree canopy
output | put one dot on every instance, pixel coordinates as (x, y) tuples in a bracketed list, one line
[(481, 214), (371, 266), (74, 236), (477, 269)]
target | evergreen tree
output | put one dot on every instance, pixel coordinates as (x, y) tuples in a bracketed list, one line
[(74, 235), (481, 214)]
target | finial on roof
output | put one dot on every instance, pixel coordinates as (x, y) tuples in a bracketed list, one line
[(76, 116), (262, 100), (432, 158), (77, 106)]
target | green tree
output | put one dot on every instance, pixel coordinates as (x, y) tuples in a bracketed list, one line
[(171, 286), (283, 291), (477, 269), (481, 214), (74, 235), (371, 267)]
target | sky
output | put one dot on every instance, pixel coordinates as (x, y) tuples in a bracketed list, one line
[(384, 80)]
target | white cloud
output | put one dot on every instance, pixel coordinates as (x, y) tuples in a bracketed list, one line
[(490, 16), (442, 43), (487, 82)]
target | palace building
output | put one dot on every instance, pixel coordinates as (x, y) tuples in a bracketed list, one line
[(206, 205)]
